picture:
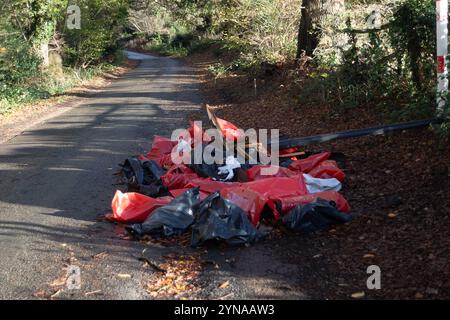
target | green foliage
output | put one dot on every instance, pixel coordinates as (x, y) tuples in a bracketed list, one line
[(218, 70), (443, 129), (26, 24), (256, 31), (168, 50), (102, 22), (412, 32), (271, 30), (391, 69), (18, 62), (207, 44), (45, 86), (167, 47), (19, 68), (35, 19)]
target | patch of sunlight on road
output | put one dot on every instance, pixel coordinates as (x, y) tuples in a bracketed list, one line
[(138, 56), (66, 169)]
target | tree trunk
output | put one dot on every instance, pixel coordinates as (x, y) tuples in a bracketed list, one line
[(43, 50), (313, 14)]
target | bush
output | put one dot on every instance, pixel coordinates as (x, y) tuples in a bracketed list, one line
[(34, 24), (184, 40), (18, 62), (164, 46), (23, 81), (258, 30), (392, 68), (19, 68), (102, 22)]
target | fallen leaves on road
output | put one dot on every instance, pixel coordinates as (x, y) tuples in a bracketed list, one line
[(124, 275), (224, 285), (179, 278), (57, 294), (41, 294), (358, 295), (227, 296), (61, 281), (95, 292), (419, 295), (100, 255), (177, 240)]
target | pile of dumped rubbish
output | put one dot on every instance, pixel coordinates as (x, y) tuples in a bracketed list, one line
[(226, 202)]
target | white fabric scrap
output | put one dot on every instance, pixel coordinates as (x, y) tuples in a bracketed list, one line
[(231, 163), (314, 185)]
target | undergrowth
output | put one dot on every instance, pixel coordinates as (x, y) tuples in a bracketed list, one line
[(43, 85)]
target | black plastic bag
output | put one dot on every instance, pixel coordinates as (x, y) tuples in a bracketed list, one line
[(144, 176), (172, 219), (141, 171), (314, 216), (220, 219), (152, 171), (206, 170), (155, 190)]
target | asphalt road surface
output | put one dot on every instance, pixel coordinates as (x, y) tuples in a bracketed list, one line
[(56, 179)]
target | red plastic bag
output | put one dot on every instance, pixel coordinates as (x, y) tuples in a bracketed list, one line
[(178, 176), (248, 200), (284, 205), (166, 161), (180, 169), (135, 207), (254, 173), (209, 186), (161, 146), (307, 164), (256, 194), (177, 181), (273, 188), (328, 169)]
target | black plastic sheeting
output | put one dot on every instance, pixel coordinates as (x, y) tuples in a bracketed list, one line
[(172, 219), (380, 130), (202, 169), (212, 170), (144, 176), (207, 171), (315, 216), (221, 220)]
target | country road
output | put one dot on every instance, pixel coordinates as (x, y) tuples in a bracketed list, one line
[(56, 179)]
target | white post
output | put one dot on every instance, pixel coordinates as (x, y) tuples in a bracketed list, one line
[(442, 52)]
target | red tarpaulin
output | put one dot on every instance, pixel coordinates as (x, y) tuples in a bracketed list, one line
[(253, 196), (135, 207)]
